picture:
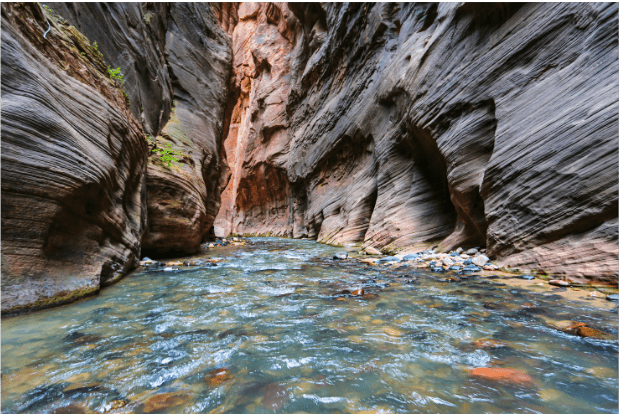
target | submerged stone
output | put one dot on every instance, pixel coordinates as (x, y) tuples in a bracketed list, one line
[(506, 376), (389, 259)]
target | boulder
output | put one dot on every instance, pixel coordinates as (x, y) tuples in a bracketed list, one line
[(480, 260)]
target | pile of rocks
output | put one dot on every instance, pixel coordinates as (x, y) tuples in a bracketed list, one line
[(472, 260), (224, 242)]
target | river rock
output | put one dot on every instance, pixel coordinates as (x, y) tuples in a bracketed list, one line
[(472, 251), (559, 283), (471, 268), (585, 331), (459, 250), (372, 251), (447, 262), (612, 297), (411, 257), (164, 401), (490, 267), (480, 260), (358, 292), (389, 259), (503, 375), (216, 377), (489, 344), (341, 256), (527, 277)]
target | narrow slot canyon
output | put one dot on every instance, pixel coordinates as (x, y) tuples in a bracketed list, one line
[(423, 193)]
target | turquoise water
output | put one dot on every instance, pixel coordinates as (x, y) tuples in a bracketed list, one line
[(271, 329)]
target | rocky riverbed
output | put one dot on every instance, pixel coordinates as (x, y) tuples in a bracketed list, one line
[(280, 325)]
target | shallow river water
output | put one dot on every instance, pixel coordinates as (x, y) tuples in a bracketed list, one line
[(269, 330)]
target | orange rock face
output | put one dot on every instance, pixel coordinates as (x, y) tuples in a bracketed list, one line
[(502, 375)]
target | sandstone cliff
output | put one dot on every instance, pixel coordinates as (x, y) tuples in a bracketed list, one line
[(176, 60), (73, 165), (404, 126)]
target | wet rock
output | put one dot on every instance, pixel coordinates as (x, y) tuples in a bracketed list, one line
[(459, 250), (437, 269), (585, 331), (559, 283), (164, 401), (468, 262), (452, 279), (388, 259), (411, 257), (480, 260), (147, 259), (471, 268), (358, 292), (216, 377), (70, 409), (455, 254), (372, 251), (612, 297), (341, 256), (275, 396), (506, 376), (472, 251), (168, 269), (454, 268), (174, 264), (489, 344), (447, 262), (190, 263), (370, 260), (527, 277), (82, 338), (490, 267)]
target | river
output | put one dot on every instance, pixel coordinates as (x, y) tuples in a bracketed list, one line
[(272, 328)]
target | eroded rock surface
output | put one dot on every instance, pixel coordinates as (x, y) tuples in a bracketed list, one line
[(400, 126), (176, 62), (73, 165)]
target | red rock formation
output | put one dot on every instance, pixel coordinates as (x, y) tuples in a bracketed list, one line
[(73, 205), (256, 199)]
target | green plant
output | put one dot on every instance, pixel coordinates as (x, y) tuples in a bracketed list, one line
[(116, 74), (168, 155), (150, 137), (147, 18)]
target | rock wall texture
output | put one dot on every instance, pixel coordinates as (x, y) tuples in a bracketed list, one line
[(73, 165), (176, 60), (400, 126)]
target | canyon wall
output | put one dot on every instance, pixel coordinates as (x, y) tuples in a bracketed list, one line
[(176, 61), (403, 126), (83, 192), (73, 165)]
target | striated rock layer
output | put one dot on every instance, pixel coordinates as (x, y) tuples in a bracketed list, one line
[(73, 165), (176, 62), (401, 126)]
